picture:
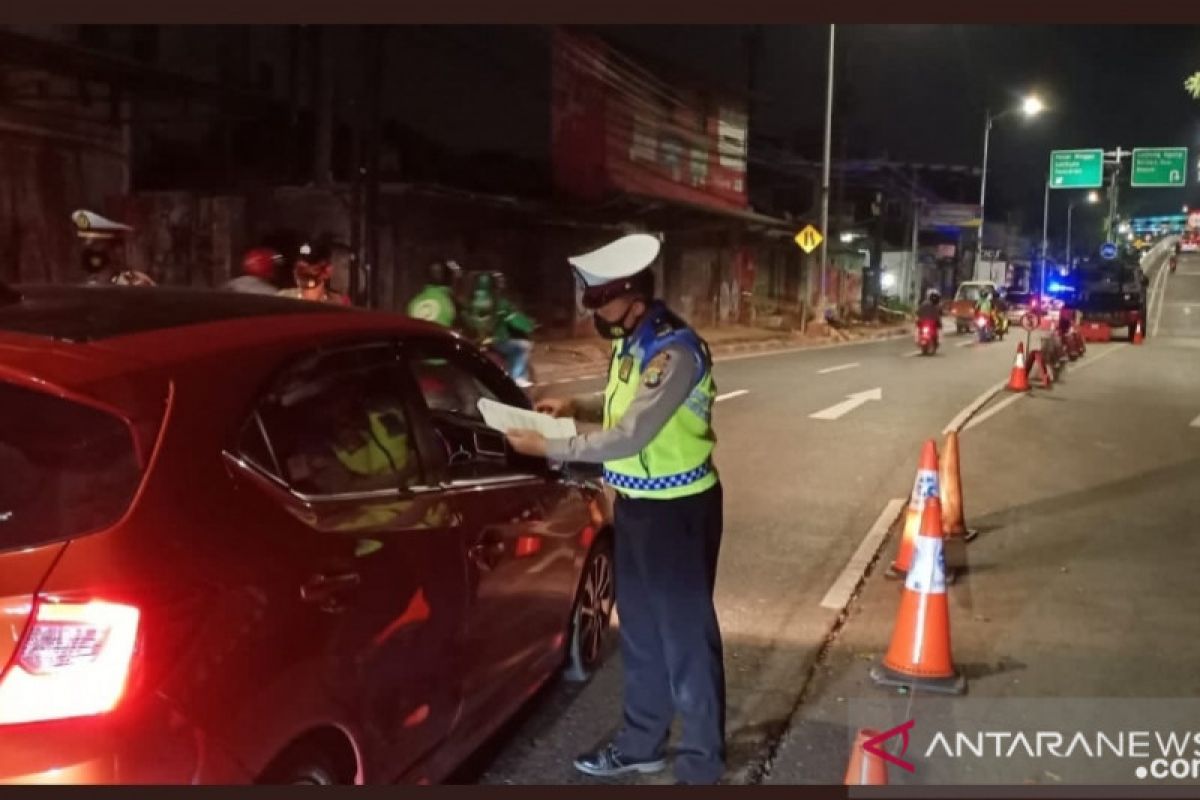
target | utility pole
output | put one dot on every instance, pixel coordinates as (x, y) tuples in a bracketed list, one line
[(825, 172), (1045, 224), (1117, 155), (987, 136)]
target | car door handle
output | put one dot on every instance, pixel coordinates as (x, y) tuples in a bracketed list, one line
[(328, 589), (488, 551)]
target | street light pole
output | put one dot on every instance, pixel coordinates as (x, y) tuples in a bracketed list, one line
[(1070, 210), (825, 171), (1045, 224), (987, 135)]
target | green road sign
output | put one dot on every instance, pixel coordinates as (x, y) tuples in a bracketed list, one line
[(1159, 166), (1076, 169)]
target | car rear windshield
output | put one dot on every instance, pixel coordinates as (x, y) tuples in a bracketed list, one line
[(968, 293), (67, 468)]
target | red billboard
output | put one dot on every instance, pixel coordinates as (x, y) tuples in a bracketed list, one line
[(617, 127)]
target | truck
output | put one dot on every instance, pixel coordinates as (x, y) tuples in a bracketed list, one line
[(1111, 292)]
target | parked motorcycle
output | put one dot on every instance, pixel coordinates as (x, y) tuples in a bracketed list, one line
[(927, 336)]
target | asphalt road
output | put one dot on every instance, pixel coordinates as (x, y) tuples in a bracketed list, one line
[(1078, 607), (802, 493)]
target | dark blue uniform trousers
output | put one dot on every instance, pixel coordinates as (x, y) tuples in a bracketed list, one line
[(666, 566)]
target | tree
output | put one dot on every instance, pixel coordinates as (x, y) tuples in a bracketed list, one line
[(1192, 85)]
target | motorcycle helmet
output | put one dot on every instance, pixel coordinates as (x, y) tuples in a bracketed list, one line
[(261, 262), (934, 296), (443, 273)]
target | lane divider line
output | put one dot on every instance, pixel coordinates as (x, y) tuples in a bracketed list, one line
[(731, 395), (842, 590), (967, 343), (838, 368), (1195, 423), (993, 411), (956, 424)]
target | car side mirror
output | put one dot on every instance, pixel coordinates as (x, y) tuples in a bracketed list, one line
[(577, 472)]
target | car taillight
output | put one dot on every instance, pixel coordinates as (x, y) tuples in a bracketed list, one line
[(74, 661), (982, 320)]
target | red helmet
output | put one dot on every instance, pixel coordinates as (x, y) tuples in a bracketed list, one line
[(261, 262)]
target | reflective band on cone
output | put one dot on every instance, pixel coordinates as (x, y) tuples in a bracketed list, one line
[(1018, 380), (919, 654), (924, 486)]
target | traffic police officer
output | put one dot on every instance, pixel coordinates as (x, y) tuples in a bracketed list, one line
[(102, 240), (656, 447)]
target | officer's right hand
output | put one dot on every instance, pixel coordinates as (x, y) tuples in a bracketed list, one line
[(556, 406)]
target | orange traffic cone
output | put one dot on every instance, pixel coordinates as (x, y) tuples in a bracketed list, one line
[(865, 768), (919, 655), (954, 525), (1138, 336), (1040, 363), (1018, 380), (924, 486)]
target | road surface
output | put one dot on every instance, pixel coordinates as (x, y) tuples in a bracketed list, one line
[(1080, 585)]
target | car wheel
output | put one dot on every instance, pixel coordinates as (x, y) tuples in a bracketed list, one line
[(305, 766), (591, 618)]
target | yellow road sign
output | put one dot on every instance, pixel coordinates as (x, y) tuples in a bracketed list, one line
[(809, 239)]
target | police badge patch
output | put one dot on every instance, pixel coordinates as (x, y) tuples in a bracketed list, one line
[(625, 368), (653, 374)]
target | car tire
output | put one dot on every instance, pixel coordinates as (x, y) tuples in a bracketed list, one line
[(304, 766), (591, 616)]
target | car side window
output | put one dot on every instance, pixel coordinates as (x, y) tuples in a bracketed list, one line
[(451, 383), (335, 423)]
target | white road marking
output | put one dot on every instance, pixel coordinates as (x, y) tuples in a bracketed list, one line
[(731, 395), (1160, 281), (967, 343), (851, 402), (838, 368), (839, 594), (1195, 423), (1112, 349), (959, 420), (993, 411), (1003, 404)]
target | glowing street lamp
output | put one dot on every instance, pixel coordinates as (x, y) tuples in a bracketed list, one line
[(1031, 106), (1092, 198)]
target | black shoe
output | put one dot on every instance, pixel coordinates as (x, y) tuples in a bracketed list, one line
[(607, 762)]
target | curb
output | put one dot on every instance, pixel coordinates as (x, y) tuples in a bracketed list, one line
[(724, 351)]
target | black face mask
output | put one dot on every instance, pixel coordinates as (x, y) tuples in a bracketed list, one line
[(95, 260), (614, 330)]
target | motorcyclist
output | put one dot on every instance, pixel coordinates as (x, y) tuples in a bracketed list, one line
[(436, 302), (931, 309), (516, 329), (259, 268), (312, 273)]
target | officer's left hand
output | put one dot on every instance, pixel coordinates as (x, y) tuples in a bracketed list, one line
[(527, 442)]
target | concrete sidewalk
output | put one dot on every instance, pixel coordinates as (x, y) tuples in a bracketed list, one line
[(1080, 600), (564, 360)]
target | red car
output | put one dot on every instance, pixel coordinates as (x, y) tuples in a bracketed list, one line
[(251, 539)]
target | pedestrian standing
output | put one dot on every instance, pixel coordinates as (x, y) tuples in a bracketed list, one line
[(656, 446)]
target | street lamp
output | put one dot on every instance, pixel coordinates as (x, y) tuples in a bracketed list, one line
[(1031, 106), (1092, 198)]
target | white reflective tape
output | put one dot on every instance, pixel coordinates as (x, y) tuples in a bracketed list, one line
[(926, 486), (928, 573)]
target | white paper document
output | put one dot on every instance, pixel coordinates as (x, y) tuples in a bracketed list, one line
[(505, 418)]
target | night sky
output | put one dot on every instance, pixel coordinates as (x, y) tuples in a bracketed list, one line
[(915, 92)]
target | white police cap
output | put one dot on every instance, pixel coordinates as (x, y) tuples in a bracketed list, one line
[(90, 225), (617, 260)]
